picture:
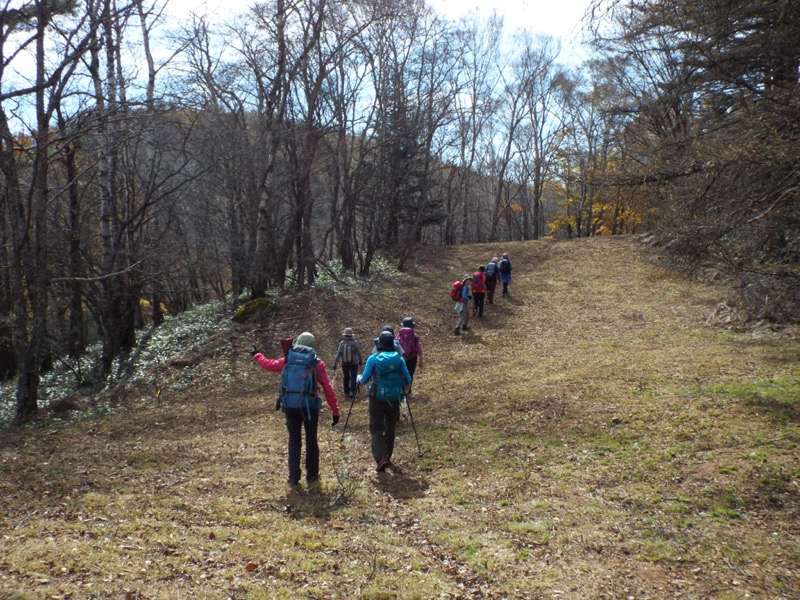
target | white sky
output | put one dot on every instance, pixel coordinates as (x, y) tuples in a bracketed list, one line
[(560, 19)]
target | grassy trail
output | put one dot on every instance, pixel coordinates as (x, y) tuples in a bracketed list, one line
[(590, 437)]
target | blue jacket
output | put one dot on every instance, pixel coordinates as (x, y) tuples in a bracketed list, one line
[(391, 387)]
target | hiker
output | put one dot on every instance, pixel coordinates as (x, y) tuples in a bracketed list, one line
[(504, 267), (397, 347), (462, 307), (491, 279), (301, 373), (478, 291), (391, 381), (411, 345), (349, 352)]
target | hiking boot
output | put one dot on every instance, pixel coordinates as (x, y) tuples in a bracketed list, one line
[(314, 486), (383, 462), (464, 327), (294, 489), (457, 331)]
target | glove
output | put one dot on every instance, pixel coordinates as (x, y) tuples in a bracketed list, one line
[(253, 351), (358, 379), (278, 404), (335, 420)]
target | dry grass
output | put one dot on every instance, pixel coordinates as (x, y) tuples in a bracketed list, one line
[(591, 437)]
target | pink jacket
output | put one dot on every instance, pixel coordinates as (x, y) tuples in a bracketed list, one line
[(275, 365)]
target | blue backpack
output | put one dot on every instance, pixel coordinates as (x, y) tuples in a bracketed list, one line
[(389, 383), (299, 380), (491, 271)]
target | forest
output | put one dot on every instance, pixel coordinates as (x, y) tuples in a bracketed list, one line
[(151, 163)]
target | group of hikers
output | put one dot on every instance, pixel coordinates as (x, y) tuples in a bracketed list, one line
[(479, 288), (388, 372)]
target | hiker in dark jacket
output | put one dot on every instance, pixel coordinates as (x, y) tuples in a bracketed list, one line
[(491, 279), (391, 380), (305, 415), (504, 268), (349, 352)]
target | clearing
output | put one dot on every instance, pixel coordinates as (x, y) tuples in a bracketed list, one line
[(591, 437)]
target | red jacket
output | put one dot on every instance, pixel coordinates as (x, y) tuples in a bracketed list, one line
[(275, 365), (481, 285)]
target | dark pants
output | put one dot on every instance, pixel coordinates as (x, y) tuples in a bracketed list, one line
[(383, 418), (477, 301), (411, 364), (491, 284), (506, 280), (350, 373), (297, 420)]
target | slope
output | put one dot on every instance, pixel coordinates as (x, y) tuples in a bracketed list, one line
[(591, 437)]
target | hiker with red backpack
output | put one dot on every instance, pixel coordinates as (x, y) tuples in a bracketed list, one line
[(410, 344), (478, 291), (491, 279), (301, 372), (391, 381), (460, 294), (349, 352), (504, 267)]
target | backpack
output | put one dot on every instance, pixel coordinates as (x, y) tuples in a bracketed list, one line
[(389, 383), (348, 353), (491, 271), (299, 380), (476, 279), (505, 266), (455, 291), (408, 342)]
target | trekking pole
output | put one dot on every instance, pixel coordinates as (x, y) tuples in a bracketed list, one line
[(414, 427), (352, 401)]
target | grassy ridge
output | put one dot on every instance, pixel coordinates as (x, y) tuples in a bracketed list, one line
[(590, 437)]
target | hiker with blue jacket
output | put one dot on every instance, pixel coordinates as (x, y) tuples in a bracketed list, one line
[(504, 268), (301, 373), (390, 380), (462, 306), (491, 279)]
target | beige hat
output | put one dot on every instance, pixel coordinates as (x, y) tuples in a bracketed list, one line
[(348, 332)]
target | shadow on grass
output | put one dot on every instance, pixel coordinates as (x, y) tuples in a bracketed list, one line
[(782, 411), (400, 484)]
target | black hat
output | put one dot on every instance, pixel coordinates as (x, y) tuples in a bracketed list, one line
[(408, 322), (385, 341), (388, 328)]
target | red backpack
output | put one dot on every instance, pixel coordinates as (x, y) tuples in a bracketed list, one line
[(455, 291)]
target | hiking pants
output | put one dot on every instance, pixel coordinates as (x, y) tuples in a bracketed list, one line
[(350, 373), (411, 364), (463, 317), (477, 299), (297, 420), (383, 418), (491, 284), (506, 279)]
